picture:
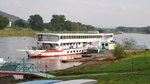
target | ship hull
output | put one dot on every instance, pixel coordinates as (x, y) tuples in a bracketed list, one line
[(44, 53)]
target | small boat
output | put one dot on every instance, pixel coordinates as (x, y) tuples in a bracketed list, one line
[(78, 81), (41, 82)]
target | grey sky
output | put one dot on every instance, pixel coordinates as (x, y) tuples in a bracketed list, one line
[(105, 13)]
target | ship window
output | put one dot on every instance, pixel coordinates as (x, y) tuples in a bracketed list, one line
[(67, 51), (71, 37), (106, 44), (60, 37), (100, 36), (74, 37), (78, 37), (77, 50), (70, 51), (74, 51), (40, 37), (65, 37)]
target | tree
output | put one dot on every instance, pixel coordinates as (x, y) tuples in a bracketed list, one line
[(48, 26), (4, 21), (58, 22), (68, 25), (36, 22), (100, 30), (128, 42), (20, 23), (119, 52)]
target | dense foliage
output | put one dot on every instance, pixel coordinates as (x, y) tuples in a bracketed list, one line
[(20, 23), (36, 22), (119, 52), (3, 22), (59, 23)]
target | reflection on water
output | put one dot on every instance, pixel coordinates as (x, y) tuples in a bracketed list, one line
[(54, 63)]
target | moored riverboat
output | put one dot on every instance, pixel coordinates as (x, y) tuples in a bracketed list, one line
[(54, 44)]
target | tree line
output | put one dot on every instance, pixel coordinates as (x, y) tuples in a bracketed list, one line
[(133, 29), (57, 23)]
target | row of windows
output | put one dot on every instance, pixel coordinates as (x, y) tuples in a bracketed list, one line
[(75, 51), (80, 37)]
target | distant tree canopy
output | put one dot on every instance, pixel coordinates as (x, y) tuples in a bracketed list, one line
[(134, 29), (58, 23), (4, 21), (36, 22), (20, 23)]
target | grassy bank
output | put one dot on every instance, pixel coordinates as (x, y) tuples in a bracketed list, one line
[(131, 78), (134, 63), (29, 32), (139, 64)]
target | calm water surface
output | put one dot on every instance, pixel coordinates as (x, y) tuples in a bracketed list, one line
[(10, 50), (141, 39)]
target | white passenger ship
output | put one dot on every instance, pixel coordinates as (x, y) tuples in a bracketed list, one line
[(50, 44)]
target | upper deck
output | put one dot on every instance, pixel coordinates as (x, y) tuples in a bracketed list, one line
[(51, 37)]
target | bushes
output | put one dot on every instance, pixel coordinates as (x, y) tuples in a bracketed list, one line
[(119, 52)]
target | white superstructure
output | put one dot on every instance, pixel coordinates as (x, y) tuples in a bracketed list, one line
[(50, 44)]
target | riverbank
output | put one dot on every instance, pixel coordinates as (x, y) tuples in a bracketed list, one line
[(133, 63), (28, 32), (17, 32), (131, 70)]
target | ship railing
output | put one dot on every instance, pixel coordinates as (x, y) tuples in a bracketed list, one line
[(18, 67)]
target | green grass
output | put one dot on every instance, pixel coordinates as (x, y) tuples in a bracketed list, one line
[(29, 32), (137, 62), (134, 78)]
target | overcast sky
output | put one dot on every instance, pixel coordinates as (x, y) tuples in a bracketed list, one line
[(102, 13)]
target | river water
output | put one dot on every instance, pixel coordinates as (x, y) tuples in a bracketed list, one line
[(11, 49), (141, 39)]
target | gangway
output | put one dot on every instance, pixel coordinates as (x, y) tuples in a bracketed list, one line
[(26, 69)]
